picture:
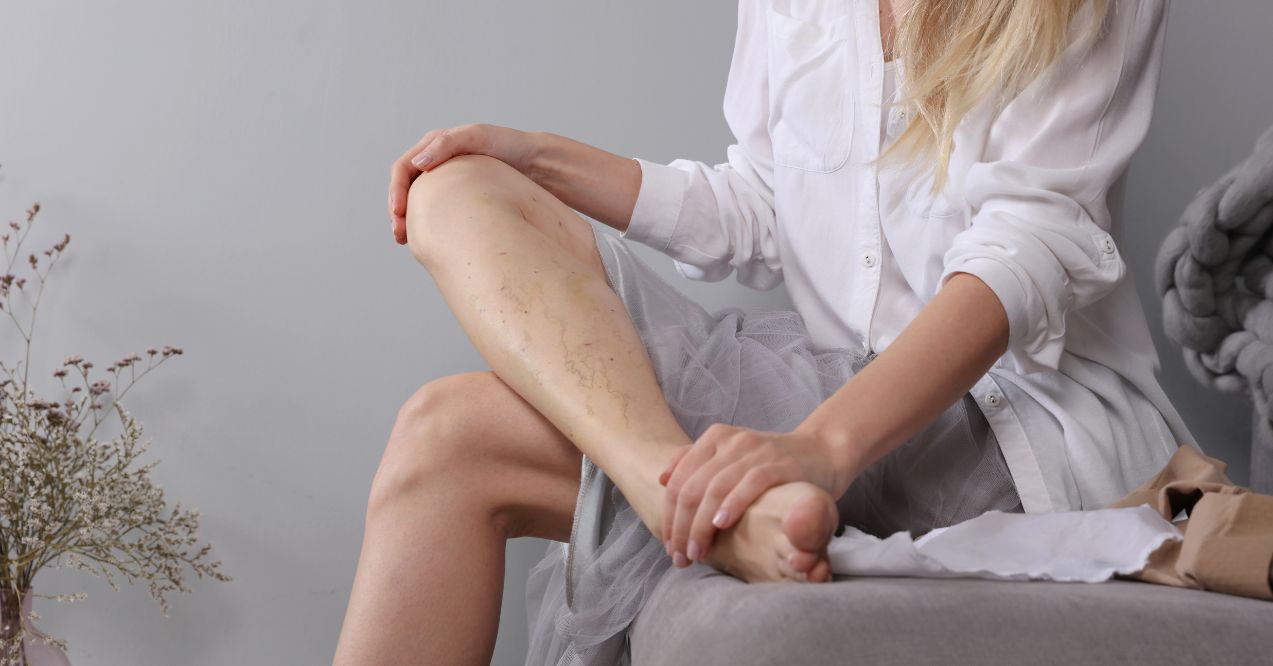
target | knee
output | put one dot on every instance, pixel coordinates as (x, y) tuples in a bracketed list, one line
[(464, 185), (430, 449)]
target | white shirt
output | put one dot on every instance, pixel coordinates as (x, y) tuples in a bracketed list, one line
[(1075, 402), (897, 303)]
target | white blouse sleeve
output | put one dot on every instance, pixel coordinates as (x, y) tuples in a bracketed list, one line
[(715, 219), (1039, 231)]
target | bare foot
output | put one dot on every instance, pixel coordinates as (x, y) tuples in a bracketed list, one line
[(783, 536)]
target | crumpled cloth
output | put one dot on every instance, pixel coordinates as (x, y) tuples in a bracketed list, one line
[(1073, 546), (1214, 274), (1224, 545)]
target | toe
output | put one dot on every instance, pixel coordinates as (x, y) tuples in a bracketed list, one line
[(785, 572), (810, 520), (802, 561), (821, 572)]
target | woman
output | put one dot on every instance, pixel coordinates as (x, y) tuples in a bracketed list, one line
[(967, 338)]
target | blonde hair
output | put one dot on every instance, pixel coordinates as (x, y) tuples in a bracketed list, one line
[(959, 52)]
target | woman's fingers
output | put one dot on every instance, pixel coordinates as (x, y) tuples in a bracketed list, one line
[(450, 142), (671, 466), (401, 174), (690, 496), (694, 457), (754, 483), (702, 528), (436, 147)]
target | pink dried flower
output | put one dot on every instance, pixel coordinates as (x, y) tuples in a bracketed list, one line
[(99, 387), (72, 360), (59, 373)]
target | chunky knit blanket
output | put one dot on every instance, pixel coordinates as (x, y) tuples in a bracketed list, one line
[(1215, 276)]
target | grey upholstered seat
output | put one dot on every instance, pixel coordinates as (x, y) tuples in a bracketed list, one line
[(698, 616)]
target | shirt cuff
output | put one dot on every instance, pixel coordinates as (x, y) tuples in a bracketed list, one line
[(1032, 347), (658, 205)]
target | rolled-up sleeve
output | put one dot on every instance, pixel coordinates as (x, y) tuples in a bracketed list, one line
[(714, 219), (1039, 231)]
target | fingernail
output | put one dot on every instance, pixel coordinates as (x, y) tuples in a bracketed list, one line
[(667, 546), (393, 201), (720, 518), (420, 160), (692, 550), (679, 560)]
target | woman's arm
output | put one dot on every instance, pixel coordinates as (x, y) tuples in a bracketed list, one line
[(944, 351), (1038, 242), (935, 360), (712, 219), (595, 182)]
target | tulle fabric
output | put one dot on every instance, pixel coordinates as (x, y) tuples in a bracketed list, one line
[(757, 369)]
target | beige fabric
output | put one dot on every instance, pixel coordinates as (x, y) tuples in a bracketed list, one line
[(1228, 536)]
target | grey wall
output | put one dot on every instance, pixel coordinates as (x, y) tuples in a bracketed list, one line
[(1214, 99), (222, 169)]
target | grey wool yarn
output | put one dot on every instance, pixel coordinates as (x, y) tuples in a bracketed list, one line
[(1214, 274)]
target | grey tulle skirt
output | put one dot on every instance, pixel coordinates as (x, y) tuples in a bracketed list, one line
[(757, 369)]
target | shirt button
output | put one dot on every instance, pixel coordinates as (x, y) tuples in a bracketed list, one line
[(868, 260), (1107, 245), (993, 399)]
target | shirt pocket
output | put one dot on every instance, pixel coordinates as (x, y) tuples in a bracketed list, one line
[(810, 105)]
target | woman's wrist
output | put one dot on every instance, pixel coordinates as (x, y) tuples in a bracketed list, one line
[(839, 447), (595, 182), (536, 161)]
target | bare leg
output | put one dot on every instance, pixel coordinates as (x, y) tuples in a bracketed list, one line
[(462, 473), (520, 271), (468, 466)]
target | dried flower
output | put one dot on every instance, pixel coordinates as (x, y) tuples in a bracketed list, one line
[(69, 495)]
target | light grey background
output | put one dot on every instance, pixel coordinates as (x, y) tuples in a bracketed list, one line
[(221, 167)]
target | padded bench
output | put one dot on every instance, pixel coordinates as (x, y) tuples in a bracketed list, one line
[(699, 616)]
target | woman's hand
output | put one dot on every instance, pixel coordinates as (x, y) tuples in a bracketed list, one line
[(711, 482), (511, 146)]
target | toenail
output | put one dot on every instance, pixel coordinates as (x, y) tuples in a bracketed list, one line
[(692, 550)]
